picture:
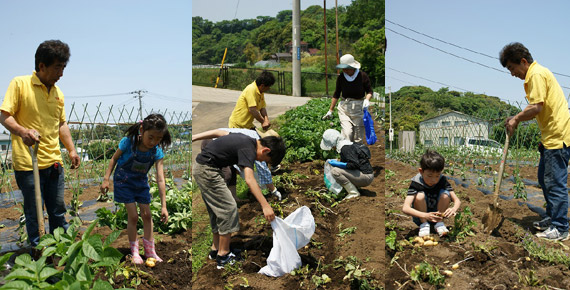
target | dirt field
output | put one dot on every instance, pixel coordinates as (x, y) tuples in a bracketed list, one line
[(496, 261), (174, 250), (366, 243)]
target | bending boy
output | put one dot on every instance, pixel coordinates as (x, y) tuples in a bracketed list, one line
[(222, 208)]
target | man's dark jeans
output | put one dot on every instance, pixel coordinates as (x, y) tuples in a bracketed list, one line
[(52, 186), (553, 178)]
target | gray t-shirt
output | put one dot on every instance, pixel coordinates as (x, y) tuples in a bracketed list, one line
[(432, 193)]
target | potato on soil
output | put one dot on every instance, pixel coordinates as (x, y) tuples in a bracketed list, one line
[(447, 273), (428, 243), (150, 262)]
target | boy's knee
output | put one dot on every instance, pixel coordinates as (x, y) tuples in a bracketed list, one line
[(420, 196), (444, 197)]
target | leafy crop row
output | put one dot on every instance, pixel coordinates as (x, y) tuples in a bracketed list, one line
[(303, 130)]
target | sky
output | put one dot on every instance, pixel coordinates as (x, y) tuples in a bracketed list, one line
[(250, 9), (116, 47), (485, 27)]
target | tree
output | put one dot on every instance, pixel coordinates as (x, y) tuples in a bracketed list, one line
[(251, 52)]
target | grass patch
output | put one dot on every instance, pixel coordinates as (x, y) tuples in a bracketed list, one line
[(201, 244)]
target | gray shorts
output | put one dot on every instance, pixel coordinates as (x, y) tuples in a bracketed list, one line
[(220, 203)]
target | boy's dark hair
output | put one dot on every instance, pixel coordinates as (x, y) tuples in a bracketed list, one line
[(265, 78), (51, 50), (151, 122), (431, 160), (277, 147), (514, 52)]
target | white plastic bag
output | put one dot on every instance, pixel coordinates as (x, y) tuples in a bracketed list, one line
[(330, 182), (289, 235)]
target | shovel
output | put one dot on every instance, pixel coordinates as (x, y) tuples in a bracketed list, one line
[(39, 203), (494, 215)]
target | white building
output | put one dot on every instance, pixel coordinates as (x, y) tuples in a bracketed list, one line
[(452, 128)]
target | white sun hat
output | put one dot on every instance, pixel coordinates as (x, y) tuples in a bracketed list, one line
[(347, 61)]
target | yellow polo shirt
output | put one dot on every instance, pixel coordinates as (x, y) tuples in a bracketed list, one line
[(540, 85), (250, 97), (28, 101)]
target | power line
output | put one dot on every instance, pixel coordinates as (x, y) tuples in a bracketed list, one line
[(466, 59), (97, 96), (429, 80), (435, 38), (455, 45), (164, 97)]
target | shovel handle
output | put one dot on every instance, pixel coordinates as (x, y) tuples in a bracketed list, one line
[(38, 192), (502, 168)]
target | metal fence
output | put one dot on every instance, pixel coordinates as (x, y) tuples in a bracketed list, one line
[(312, 83), (96, 131)]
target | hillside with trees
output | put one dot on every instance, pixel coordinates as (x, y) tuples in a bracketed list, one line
[(361, 33)]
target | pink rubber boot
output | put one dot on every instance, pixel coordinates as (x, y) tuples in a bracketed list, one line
[(149, 250), (135, 252)]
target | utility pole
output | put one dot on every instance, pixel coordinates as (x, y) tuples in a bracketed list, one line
[(326, 63), (391, 131), (296, 48), (139, 95), (336, 28)]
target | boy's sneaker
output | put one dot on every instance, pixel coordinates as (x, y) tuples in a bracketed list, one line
[(213, 254), (543, 224), (424, 230), (553, 234), (228, 259), (441, 229)]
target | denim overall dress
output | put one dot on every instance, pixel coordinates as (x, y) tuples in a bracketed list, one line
[(131, 180)]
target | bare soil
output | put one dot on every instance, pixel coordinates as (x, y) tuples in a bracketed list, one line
[(366, 243), (498, 260)]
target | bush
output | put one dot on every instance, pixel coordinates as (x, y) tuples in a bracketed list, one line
[(302, 129)]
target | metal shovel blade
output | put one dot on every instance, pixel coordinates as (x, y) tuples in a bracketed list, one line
[(492, 218)]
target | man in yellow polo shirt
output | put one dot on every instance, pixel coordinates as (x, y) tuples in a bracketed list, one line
[(546, 103), (33, 111), (251, 104)]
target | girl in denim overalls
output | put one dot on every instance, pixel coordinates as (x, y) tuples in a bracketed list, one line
[(138, 151)]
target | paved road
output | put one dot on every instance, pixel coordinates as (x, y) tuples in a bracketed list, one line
[(211, 109)]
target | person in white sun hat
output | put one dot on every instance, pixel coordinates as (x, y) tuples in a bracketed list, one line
[(354, 89), (354, 169)]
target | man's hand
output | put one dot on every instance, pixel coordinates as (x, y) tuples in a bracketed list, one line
[(268, 213), (30, 137), (266, 124), (75, 160), (327, 116), (511, 125)]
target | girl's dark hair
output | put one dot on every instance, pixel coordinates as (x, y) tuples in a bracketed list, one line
[(151, 122), (51, 50)]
